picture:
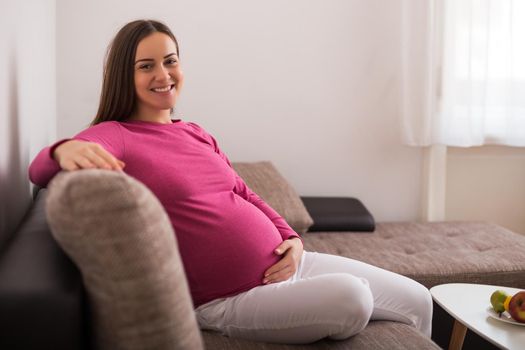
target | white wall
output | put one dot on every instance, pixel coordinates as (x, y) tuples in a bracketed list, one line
[(310, 85), (27, 99), (488, 184)]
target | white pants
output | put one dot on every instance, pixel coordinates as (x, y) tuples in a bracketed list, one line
[(328, 296)]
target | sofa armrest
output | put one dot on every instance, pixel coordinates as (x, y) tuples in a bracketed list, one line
[(121, 238), (41, 293)]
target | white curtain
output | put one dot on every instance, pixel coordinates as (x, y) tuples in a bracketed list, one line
[(463, 72)]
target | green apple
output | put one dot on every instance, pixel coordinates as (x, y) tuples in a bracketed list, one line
[(517, 307), (497, 299)]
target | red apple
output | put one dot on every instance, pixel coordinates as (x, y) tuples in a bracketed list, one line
[(517, 307)]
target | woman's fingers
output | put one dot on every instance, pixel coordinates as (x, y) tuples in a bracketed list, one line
[(97, 160), (278, 272), (69, 166), (102, 159), (76, 154), (279, 276), (84, 163), (107, 159), (281, 264), (291, 251)]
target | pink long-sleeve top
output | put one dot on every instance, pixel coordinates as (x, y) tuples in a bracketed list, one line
[(226, 233)]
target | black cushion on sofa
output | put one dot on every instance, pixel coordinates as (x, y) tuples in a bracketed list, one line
[(338, 214), (42, 303)]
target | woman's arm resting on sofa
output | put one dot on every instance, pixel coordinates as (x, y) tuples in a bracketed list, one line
[(99, 146), (44, 167)]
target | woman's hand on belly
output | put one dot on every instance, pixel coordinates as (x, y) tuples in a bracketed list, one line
[(292, 251)]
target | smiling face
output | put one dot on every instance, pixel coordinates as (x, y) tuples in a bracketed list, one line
[(158, 78)]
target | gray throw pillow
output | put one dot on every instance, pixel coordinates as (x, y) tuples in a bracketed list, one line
[(264, 179), (119, 236)]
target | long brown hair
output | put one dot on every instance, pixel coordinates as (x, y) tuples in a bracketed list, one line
[(117, 98)]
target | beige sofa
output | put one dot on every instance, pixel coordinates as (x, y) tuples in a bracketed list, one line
[(118, 235)]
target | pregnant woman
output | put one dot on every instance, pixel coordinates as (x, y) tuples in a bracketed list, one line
[(262, 286)]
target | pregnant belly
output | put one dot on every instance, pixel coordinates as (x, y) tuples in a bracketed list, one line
[(226, 244)]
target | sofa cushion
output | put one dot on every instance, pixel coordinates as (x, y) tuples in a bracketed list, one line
[(264, 179), (378, 335), (338, 214), (120, 237), (434, 253)]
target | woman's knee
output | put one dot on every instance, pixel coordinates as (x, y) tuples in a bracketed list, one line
[(418, 296), (423, 305), (415, 303), (424, 299), (352, 304)]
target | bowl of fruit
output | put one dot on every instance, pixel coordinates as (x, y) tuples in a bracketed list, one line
[(508, 308)]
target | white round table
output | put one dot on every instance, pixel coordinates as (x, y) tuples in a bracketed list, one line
[(468, 304)]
